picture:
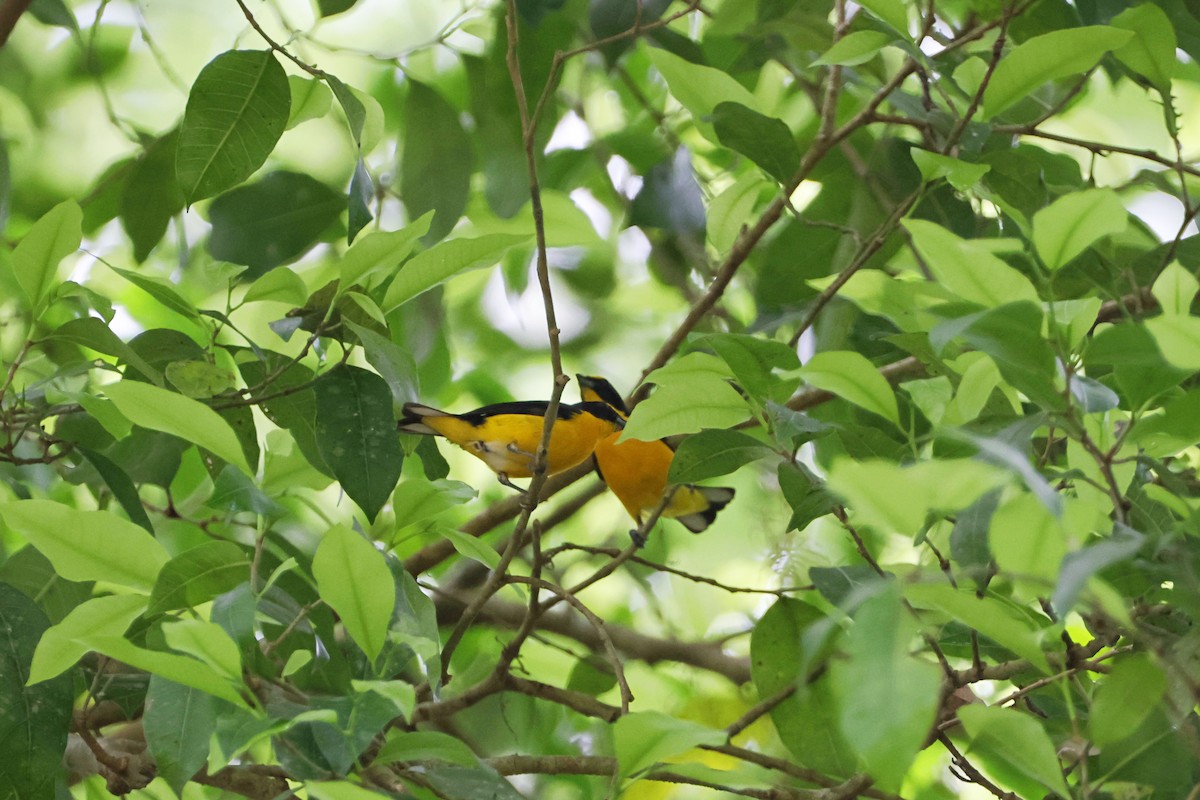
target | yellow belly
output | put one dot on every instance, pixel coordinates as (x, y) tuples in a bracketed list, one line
[(635, 471), (507, 442)]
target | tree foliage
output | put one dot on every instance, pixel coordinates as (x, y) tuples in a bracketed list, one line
[(918, 280)]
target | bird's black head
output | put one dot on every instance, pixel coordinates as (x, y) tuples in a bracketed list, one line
[(602, 411), (595, 388)]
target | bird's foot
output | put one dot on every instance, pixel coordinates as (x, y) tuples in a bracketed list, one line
[(503, 478)]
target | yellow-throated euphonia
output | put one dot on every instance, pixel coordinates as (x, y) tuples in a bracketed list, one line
[(636, 471), (505, 436)]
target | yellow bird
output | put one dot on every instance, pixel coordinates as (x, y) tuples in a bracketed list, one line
[(636, 471), (505, 436)]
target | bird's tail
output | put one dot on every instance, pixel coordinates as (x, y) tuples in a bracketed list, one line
[(707, 501), (413, 420)]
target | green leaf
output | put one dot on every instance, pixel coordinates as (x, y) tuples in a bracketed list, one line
[(437, 160), (408, 746), (1173, 430), (787, 645), (711, 453), (160, 291), (208, 642), (35, 719), (54, 12), (444, 260), (236, 111), (767, 141), (199, 574), (699, 88), (88, 545), (393, 363), (311, 99), (728, 211), (93, 333), (178, 721), (199, 379), (967, 268), (352, 107), (1016, 742), (280, 285), (962, 175), (470, 547), (1048, 57), (1027, 540), (1128, 694), (52, 238), (1175, 290), (381, 251), (453, 782), (1073, 222), (170, 412), (356, 435), (807, 498), (354, 579), (181, 669), (693, 393), (854, 48), (566, 224), (1151, 51), (294, 408), (121, 486), (995, 619), (893, 12), (896, 498), (1080, 566), (751, 359), (641, 739), (878, 672), (272, 221), (151, 196), (330, 7), (1012, 336), (29, 570), (59, 648), (362, 191), (852, 377), (1178, 339)]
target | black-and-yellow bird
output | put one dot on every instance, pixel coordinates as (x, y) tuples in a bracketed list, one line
[(505, 436), (636, 471)]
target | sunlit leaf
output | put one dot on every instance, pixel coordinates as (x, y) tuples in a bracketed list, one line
[(354, 579), (644, 738), (966, 268), (1053, 55), (88, 545), (444, 260), (53, 237), (853, 378), (1015, 742), (1071, 223), (170, 412)]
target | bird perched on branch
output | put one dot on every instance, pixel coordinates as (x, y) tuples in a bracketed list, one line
[(636, 471), (506, 436)]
